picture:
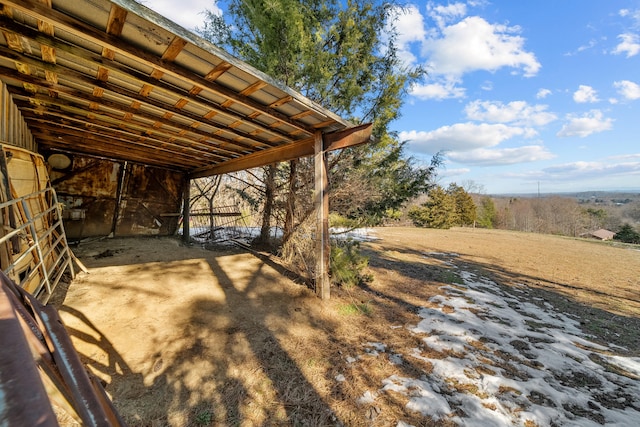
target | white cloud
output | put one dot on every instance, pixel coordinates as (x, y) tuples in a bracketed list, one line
[(487, 86), (502, 156), (626, 157), (474, 44), (583, 170), (515, 113), (630, 45), (590, 45), (633, 14), (585, 94), (445, 14), (543, 93), (445, 89), (462, 137), (409, 24), (629, 90), (585, 125), (450, 173), (187, 13)]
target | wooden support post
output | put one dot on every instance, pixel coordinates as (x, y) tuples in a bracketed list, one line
[(186, 214), (322, 218)]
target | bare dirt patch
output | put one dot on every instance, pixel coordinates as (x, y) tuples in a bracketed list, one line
[(184, 336)]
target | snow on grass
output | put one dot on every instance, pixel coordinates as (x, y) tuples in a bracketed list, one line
[(504, 360)]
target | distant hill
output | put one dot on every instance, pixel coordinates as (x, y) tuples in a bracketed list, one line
[(632, 194)]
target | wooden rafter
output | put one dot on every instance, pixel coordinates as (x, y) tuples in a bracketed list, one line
[(101, 79), (83, 30), (304, 148), (152, 85)]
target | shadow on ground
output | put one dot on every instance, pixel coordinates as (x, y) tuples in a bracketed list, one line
[(258, 349)]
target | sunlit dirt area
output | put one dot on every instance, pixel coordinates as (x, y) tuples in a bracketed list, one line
[(187, 336)]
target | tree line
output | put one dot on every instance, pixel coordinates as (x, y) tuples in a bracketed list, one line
[(344, 56), (454, 206)]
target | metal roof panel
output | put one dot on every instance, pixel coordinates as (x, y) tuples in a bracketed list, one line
[(124, 75)]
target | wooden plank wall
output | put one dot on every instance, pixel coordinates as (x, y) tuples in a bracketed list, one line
[(13, 128)]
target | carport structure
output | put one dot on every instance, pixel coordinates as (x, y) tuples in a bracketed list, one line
[(115, 81)]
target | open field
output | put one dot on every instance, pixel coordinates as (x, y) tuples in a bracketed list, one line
[(476, 326)]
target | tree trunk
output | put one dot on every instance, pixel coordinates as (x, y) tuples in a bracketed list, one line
[(289, 221), (269, 195)]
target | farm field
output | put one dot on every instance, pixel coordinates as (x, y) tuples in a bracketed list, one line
[(458, 327)]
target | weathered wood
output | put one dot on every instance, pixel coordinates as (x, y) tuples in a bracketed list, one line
[(103, 127), (304, 148), (197, 141), (348, 138), (186, 215), (145, 82), (49, 134), (282, 153), (83, 30), (321, 200), (79, 263)]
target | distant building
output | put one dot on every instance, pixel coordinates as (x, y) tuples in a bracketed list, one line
[(601, 234)]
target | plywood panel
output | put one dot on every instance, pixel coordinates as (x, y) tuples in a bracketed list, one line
[(149, 197), (88, 190)]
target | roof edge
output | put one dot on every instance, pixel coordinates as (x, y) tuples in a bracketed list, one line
[(189, 36)]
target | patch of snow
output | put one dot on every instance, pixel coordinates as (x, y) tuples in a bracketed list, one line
[(395, 359), (351, 359), (377, 346), (340, 378), (507, 361), (424, 398), (367, 398), (441, 254), (358, 234)]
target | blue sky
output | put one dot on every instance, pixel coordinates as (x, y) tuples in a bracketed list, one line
[(520, 94)]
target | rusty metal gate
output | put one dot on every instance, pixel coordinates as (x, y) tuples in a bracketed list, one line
[(33, 247)]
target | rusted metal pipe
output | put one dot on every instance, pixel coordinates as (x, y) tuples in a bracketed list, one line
[(42, 327), (23, 398)]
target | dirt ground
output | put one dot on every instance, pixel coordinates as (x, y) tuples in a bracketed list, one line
[(187, 336)]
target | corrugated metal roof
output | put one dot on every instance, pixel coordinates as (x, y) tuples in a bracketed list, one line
[(117, 80)]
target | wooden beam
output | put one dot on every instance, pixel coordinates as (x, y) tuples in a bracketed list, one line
[(105, 133), (147, 83), (348, 138), (321, 201), (74, 145), (87, 32), (265, 157), (304, 148), (130, 114), (208, 139), (60, 135)]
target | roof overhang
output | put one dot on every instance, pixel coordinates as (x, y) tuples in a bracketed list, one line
[(114, 79)]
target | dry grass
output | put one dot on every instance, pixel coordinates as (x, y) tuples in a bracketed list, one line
[(193, 337)]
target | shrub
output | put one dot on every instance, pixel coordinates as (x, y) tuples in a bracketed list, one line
[(627, 234), (347, 265)]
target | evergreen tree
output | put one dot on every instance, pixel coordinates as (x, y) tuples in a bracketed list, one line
[(439, 211), (465, 209), (627, 234), (487, 215), (343, 56)]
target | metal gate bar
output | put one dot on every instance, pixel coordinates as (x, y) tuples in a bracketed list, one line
[(42, 250)]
